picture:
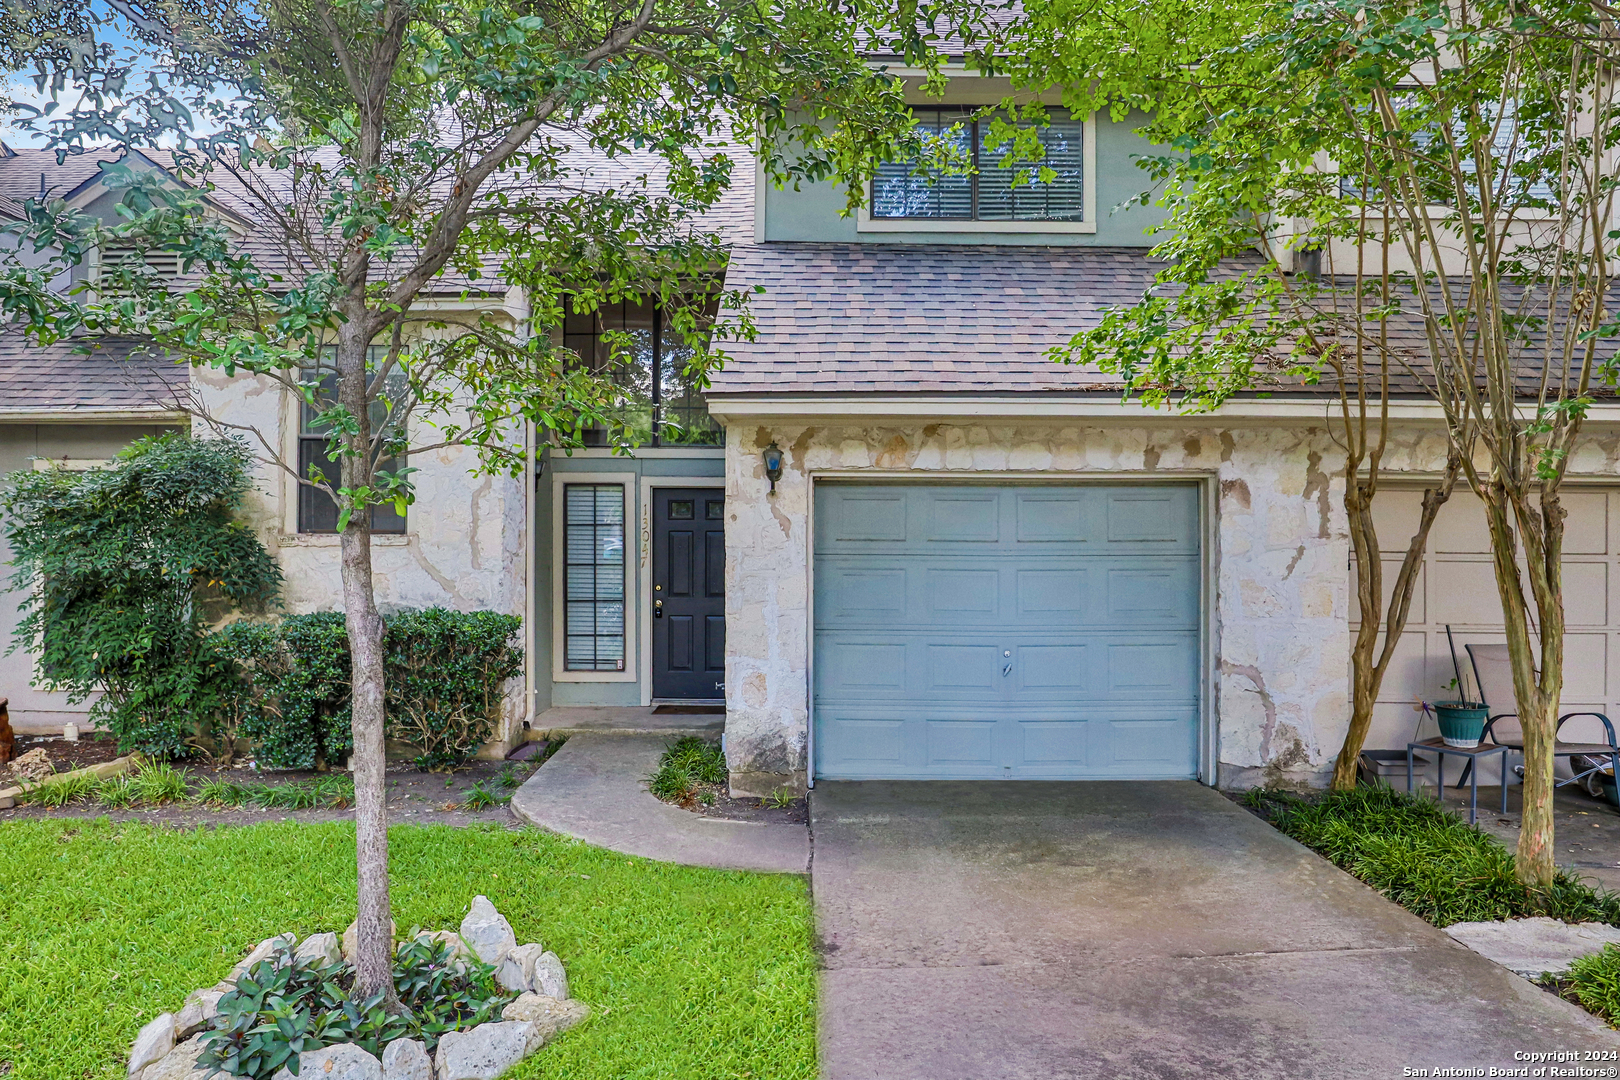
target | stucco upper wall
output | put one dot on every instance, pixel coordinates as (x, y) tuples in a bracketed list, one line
[(814, 211), (464, 544)]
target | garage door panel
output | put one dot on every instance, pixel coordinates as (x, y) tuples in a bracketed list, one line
[(955, 669), (1151, 669), (1045, 669), (970, 516), (864, 667), (1054, 593), (1054, 516), (1039, 631), (1145, 744), (1463, 593), (1586, 529), (960, 743), (1150, 516), (1586, 594), (1165, 594), (849, 743), (953, 593), (855, 594)]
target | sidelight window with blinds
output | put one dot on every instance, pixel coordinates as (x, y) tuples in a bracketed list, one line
[(593, 577)]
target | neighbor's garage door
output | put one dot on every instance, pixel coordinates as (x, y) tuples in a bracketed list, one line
[(1457, 588), (1035, 631)]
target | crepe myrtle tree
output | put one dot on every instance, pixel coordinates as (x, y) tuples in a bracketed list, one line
[(329, 163), (1410, 197)]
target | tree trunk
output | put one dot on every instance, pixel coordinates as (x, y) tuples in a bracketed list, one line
[(1536, 693), (374, 945), (1368, 662)]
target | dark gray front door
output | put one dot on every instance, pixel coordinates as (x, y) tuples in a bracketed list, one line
[(1042, 631), (689, 593)]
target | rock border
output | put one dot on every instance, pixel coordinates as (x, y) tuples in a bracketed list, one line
[(168, 1047), (101, 771)]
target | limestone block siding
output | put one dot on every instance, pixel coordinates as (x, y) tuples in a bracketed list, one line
[(1279, 553)]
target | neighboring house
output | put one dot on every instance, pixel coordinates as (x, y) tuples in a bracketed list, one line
[(975, 563)]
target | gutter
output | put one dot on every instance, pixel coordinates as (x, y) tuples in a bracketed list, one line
[(982, 407), (93, 416)]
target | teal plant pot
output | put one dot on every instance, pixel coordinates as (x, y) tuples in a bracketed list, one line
[(1462, 723)]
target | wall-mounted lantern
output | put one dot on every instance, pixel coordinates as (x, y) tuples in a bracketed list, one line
[(773, 464)]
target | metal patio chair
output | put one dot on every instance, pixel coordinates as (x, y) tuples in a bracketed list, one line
[(1493, 674)]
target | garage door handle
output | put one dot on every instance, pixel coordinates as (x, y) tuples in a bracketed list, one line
[(1006, 670)]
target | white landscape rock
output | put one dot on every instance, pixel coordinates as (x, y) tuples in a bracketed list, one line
[(352, 935), (486, 1051), (487, 932), (516, 969), (344, 1061), (1533, 947), (549, 977), (320, 948), (152, 1043), (261, 951), (180, 1063), (200, 1007), (406, 1059), (551, 1015)]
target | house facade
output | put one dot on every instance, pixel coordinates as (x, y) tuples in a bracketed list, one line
[(892, 539)]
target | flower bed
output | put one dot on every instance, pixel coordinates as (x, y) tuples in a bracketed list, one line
[(475, 1003)]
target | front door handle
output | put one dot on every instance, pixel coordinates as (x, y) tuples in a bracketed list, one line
[(658, 609), (1006, 670)]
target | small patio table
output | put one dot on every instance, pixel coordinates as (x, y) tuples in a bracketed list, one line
[(1474, 754)]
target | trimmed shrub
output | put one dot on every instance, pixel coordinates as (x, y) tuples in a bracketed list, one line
[(444, 672), (291, 699), (119, 571)]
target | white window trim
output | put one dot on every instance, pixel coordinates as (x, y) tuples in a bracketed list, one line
[(865, 223), (632, 587), (644, 559)]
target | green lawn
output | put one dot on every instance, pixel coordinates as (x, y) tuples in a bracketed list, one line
[(689, 973)]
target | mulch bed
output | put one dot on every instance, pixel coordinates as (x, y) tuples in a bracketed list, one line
[(414, 797), (93, 748)]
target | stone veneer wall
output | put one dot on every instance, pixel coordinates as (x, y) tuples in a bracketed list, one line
[(1281, 567), (463, 548)]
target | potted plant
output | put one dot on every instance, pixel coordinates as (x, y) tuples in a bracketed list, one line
[(1462, 723)]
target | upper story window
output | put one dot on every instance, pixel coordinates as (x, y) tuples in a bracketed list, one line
[(988, 191), (667, 408), (318, 511), (1510, 149)]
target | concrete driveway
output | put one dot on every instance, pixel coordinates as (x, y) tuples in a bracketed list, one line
[(981, 931)]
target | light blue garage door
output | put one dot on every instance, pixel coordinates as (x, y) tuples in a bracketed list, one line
[(1038, 632)]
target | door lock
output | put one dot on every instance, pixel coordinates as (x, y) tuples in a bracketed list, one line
[(658, 609)]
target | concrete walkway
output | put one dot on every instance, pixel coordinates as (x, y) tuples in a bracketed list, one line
[(999, 931), (593, 789)]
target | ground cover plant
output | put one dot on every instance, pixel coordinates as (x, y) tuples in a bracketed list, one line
[(1593, 983), (689, 973), (685, 768), (284, 1006), (1424, 858), (159, 783)]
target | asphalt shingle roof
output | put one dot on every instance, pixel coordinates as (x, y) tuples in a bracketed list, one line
[(118, 374), (922, 317)]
